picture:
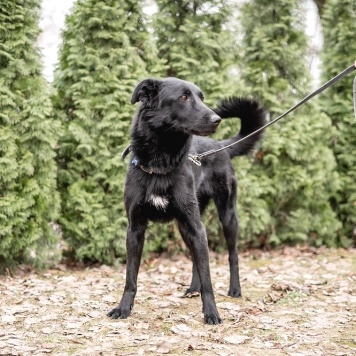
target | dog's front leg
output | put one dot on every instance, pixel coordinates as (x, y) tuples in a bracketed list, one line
[(134, 246), (195, 283), (194, 231)]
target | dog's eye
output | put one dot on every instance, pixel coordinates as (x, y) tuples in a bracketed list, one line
[(184, 97)]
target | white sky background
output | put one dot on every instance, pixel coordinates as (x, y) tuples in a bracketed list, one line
[(52, 23)]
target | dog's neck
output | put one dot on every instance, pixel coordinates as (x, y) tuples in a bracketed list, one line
[(158, 150)]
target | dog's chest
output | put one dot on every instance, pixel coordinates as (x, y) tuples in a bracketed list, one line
[(160, 202), (159, 207)]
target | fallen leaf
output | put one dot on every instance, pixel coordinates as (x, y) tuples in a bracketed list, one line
[(47, 330), (31, 321), (109, 299), (75, 325), (181, 329), (76, 341), (316, 283), (272, 297), (140, 326), (141, 337), (282, 287), (191, 295), (228, 306), (254, 311), (8, 319), (48, 345), (236, 339), (15, 342)]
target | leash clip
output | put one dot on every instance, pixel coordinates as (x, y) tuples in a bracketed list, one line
[(195, 159)]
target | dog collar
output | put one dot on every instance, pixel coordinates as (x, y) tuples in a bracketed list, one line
[(150, 170), (136, 162)]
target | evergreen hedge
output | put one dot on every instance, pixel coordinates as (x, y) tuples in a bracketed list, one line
[(28, 197), (103, 56), (294, 177), (195, 43), (291, 190), (339, 28)]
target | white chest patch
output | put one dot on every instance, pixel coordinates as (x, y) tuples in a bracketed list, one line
[(158, 201)]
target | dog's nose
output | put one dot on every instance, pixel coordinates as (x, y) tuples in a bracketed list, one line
[(215, 119)]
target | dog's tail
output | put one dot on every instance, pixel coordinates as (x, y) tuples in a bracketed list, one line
[(252, 116)]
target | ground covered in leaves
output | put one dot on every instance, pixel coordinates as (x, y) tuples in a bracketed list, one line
[(295, 302)]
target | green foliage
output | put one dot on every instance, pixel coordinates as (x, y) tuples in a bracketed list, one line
[(104, 54), (293, 178), (193, 39), (292, 189), (28, 198), (339, 25), (274, 52)]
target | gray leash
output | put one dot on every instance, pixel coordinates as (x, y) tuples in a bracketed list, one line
[(196, 159)]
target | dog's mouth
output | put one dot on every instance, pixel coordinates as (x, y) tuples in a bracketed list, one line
[(204, 129), (205, 132), (202, 133)]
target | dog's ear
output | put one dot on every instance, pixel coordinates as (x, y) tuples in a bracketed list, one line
[(146, 91)]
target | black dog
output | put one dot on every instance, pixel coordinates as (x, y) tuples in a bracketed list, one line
[(162, 184)]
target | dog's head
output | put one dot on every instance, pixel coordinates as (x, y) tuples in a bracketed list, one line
[(177, 104)]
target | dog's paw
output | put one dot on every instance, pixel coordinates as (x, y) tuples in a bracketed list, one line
[(234, 292), (119, 313), (212, 319), (189, 293)]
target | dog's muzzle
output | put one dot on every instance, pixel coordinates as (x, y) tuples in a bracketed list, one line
[(215, 119)]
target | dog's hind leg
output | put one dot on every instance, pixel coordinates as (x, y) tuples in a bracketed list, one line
[(194, 288), (225, 201), (134, 246)]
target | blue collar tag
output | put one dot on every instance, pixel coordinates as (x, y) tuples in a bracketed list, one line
[(135, 161)]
